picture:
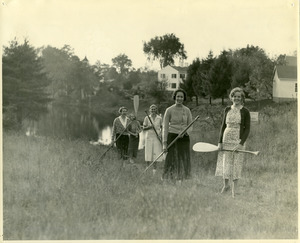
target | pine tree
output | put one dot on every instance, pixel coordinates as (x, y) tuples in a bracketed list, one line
[(24, 82)]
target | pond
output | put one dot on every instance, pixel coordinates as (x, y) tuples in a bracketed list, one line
[(73, 123)]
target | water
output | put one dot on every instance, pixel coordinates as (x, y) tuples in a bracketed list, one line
[(73, 123)]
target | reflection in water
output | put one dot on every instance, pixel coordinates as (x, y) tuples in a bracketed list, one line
[(72, 123), (104, 136)]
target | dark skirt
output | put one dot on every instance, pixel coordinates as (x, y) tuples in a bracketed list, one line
[(133, 146), (122, 146), (178, 164)]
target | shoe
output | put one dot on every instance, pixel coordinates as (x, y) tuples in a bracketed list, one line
[(225, 189), (131, 161)]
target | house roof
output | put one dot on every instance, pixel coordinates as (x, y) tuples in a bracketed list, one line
[(286, 72), (180, 69)]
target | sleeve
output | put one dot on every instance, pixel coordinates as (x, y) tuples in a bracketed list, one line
[(113, 133), (189, 120), (223, 126), (129, 128), (166, 121), (160, 125), (145, 123), (246, 127)]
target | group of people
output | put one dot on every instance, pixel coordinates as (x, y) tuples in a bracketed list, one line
[(171, 136)]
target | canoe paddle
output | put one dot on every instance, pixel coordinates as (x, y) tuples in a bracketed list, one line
[(207, 147)]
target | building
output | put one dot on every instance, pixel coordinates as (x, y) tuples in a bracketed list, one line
[(285, 80), (173, 75)]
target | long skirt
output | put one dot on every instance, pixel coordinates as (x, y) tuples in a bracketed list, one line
[(133, 146), (122, 146), (153, 148), (178, 165), (229, 164)]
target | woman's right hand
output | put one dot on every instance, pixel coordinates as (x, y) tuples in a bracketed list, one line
[(220, 146), (148, 127)]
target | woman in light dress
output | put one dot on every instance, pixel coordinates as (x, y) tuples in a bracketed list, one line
[(153, 130), (233, 135)]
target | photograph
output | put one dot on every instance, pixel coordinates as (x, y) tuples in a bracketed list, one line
[(149, 120)]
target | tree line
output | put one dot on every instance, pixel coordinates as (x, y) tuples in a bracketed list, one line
[(249, 68), (33, 77)]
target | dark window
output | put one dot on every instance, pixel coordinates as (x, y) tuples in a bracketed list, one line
[(162, 75), (173, 85), (174, 75), (296, 88)]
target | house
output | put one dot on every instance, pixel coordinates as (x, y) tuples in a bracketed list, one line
[(285, 80), (173, 75)]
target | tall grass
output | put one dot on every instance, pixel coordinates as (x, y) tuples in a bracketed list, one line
[(59, 190)]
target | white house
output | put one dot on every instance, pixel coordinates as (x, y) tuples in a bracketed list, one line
[(285, 80), (173, 75)]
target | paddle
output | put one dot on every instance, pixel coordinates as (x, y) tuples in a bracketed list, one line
[(207, 147), (136, 104), (153, 127)]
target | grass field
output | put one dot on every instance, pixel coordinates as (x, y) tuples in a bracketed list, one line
[(58, 190)]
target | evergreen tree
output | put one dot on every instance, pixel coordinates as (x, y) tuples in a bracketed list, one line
[(24, 82), (220, 75)]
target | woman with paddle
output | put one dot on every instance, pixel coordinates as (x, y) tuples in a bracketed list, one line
[(119, 130), (153, 146), (233, 135), (177, 117)]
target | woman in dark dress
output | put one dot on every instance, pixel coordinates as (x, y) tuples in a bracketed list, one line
[(134, 128), (177, 117), (119, 130)]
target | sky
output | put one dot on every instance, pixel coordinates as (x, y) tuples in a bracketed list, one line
[(103, 29)]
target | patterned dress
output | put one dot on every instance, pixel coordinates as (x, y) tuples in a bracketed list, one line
[(229, 164)]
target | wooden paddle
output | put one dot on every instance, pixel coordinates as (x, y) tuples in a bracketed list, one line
[(153, 127), (136, 102), (207, 147)]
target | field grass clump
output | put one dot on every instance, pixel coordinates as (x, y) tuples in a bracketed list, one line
[(58, 189)]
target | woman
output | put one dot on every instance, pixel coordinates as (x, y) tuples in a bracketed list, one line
[(134, 128), (234, 132), (177, 117), (119, 132), (153, 144)]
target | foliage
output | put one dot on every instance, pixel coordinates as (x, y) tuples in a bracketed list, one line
[(157, 90), (70, 76), (253, 70), (122, 63), (249, 68), (187, 83), (219, 76), (24, 82), (197, 81), (165, 48)]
